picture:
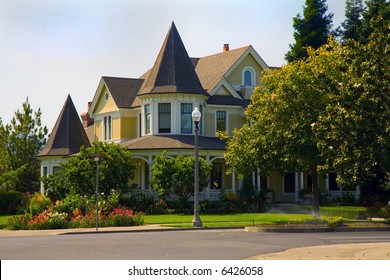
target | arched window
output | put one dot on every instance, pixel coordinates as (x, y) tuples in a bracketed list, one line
[(248, 77)]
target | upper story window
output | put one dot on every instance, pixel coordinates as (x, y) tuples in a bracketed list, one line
[(186, 118), (164, 118), (107, 128), (147, 119), (221, 120), (248, 77)]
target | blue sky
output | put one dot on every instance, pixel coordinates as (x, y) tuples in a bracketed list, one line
[(52, 48)]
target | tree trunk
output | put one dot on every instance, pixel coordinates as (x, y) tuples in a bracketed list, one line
[(315, 194)]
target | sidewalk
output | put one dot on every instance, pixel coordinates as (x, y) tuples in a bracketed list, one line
[(360, 251)]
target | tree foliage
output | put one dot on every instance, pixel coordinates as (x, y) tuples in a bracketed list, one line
[(78, 174), (311, 30), (175, 176), (354, 131), (21, 141)]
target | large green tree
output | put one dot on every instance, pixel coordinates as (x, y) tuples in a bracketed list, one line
[(78, 174), (282, 114), (354, 131), (175, 176), (22, 140), (311, 30)]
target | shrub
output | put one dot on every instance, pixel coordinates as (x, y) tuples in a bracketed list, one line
[(38, 204), (124, 217), (335, 221), (72, 202), (48, 220), (18, 222), (384, 212), (13, 202)]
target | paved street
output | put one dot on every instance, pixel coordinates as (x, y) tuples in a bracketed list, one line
[(183, 244)]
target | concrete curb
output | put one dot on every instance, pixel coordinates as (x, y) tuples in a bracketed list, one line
[(311, 230)]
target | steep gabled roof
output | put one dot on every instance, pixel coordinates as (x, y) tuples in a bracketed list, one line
[(124, 90), (173, 71), (68, 134), (211, 69)]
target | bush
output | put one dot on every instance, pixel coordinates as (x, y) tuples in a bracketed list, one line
[(124, 217), (48, 220), (13, 202), (38, 204), (18, 222), (384, 213), (335, 221)]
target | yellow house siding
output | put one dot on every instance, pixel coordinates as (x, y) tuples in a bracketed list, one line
[(103, 105), (209, 124), (116, 124), (98, 130), (129, 127), (235, 121), (222, 91), (235, 78)]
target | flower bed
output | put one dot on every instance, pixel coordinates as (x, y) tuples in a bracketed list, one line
[(54, 220)]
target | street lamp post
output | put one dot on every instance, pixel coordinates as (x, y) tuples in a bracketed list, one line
[(196, 222), (96, 158)]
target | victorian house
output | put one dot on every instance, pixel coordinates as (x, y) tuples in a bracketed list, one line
[(152, 114)]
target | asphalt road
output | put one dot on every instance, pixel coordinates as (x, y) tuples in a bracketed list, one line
[(168, 245)]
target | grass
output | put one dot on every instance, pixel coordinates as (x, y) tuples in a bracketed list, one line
[(4, 220), (225, 220)]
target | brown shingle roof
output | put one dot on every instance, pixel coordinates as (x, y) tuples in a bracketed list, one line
[(124, 91), (68, 134), (173, 71), (162, 142), (211, 69)]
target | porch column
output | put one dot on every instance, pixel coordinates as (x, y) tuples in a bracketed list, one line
[(233, 179), (296, 186), (150, 162), (258, 189), (327, 181), (209, 183), (302, 181)]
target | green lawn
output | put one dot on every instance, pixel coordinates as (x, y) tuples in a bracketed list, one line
[(4, 220), (225, 220)]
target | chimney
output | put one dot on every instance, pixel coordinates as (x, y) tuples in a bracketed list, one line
[(85, 117), (226, 47)]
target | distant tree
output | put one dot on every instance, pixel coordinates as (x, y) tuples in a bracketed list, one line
[(313, 30), (175, 176), (78, 174), (351, 28), (22, 140)]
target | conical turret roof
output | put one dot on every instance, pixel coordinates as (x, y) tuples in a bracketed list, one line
[(68, 134), (173, 71)]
